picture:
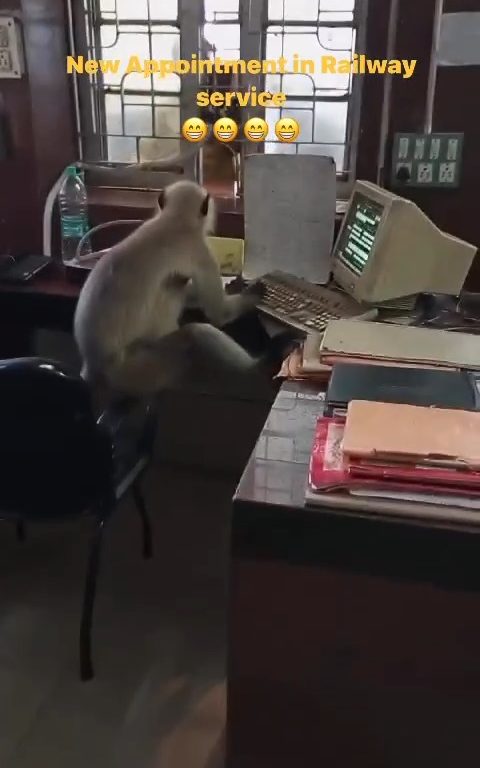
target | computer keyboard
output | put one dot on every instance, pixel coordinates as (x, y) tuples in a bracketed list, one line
[(307, 307)]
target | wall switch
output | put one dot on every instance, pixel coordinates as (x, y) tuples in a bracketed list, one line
[(5, 60), (11, 48), (433, 159)]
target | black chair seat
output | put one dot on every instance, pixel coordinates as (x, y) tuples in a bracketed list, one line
[(58, 460)]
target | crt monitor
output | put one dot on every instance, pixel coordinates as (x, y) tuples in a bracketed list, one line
[(389, 249)]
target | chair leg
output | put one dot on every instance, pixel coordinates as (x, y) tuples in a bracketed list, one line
[(20, 528), (146, 524), (86, 666)]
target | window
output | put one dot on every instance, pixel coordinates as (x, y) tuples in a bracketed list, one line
[(126, 118), (222, 27), (321, 103)]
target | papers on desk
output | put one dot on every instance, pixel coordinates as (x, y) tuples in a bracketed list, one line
[(390, 458), (358, 342), (371, 461), (394, 344), (467, 502), (294, 369), (413, 434)]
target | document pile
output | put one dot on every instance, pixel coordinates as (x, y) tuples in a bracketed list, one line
[(405, 346), (405, 460), (356, 342)]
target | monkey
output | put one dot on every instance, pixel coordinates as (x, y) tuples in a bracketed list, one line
[(176, 162), (127, 322)]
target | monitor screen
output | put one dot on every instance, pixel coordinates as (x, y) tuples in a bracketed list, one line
[(357, 240)]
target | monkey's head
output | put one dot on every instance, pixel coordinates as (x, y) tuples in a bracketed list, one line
[(190, 203)]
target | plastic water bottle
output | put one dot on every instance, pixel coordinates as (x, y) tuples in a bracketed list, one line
[(73, 204)]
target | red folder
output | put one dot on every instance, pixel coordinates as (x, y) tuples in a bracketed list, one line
[(416, 474), (330, 470)]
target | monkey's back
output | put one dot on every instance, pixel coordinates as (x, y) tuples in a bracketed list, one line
[(129, 295)]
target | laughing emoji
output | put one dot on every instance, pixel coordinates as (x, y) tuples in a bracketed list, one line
[(287, 130), (194, 130), (256, 129), (225, 130)]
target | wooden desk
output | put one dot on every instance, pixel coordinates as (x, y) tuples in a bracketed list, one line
[(352, 641), (49, 301)]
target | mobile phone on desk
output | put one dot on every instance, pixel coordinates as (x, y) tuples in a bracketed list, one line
[(21, 269)]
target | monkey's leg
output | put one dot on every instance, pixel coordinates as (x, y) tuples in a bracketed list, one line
[(151, 366), (195, 357), (219, 363)]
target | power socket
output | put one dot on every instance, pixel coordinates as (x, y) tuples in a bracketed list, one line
[(11, 48), (4, 37), (5, 60), (431, 160), (447, 173)]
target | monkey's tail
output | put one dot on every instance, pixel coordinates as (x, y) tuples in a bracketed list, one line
[(174, 162)]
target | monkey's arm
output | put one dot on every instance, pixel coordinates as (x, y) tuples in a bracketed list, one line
[(219, 308)]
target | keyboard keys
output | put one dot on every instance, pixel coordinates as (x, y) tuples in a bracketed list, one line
[(294, 304)]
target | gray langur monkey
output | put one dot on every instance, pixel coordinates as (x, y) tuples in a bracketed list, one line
[(174, 163), (127, 321)]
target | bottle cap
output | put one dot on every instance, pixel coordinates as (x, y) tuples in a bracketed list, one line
[(72, 170)]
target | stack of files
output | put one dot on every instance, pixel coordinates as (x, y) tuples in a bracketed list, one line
[(400, 460), (370, 343), (294, 368), (413, 386)]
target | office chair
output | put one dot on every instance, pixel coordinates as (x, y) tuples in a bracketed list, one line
[(58, 460)]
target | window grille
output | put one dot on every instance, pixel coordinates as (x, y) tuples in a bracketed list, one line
[(130, 118)]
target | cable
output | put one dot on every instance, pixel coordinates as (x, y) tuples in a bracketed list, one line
[(98, 228), (76, 96), (48, 214), (387, 93), (432, 75)]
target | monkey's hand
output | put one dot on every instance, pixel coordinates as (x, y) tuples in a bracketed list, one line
[(236, 286), (243, 302), (255, 293)]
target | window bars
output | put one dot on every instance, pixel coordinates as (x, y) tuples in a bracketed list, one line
[(126, 118)]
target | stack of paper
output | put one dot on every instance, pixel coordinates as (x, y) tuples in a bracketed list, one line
[(399, 459), (303, 363), (293, 369), (367, 342)]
